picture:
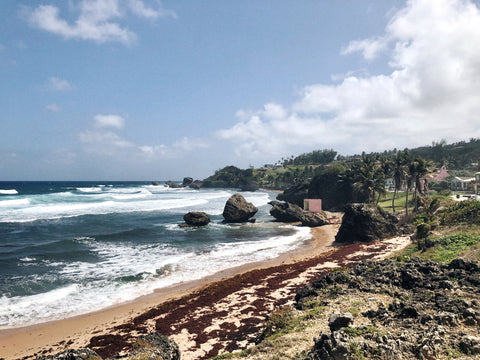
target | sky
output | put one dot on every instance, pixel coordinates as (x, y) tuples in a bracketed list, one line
[(160, 90)]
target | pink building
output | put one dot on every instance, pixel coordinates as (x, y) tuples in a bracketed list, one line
[(312, 205), (442, 174)]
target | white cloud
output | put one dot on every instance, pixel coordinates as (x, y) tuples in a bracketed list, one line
[(53, 107), (58, 84), (105, 140), (97, 21), (139, 9), (113, 121), (431, 92)]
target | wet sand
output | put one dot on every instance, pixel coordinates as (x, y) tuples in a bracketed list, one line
[(217, 314)]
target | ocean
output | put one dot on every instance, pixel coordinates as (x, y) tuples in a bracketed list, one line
[(69, 248)]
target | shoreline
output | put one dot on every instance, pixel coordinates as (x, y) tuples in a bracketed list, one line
[(232, 287)]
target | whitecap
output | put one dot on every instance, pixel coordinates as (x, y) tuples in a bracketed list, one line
[(16, 202), (8, 192)]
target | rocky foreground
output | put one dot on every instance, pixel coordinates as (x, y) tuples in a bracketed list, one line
[(418, 310)]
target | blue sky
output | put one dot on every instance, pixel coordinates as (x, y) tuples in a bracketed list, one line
[(150, 90)]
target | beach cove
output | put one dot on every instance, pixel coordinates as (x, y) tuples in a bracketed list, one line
[(219, 313)]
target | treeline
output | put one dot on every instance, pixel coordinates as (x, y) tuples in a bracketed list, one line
[(364, 179), (232, 177), (461, 155), (316, 157)]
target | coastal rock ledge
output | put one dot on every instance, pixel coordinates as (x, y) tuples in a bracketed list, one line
[(237, 209)]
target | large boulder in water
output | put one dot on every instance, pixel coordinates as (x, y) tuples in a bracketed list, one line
[(172, 184), (286, 212), (197, 184), (196, 218), (365, 223), (237, 209), (187, 181)]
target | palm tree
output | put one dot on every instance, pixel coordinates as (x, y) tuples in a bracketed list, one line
[(368, 178), (418, 169), (399, 173)]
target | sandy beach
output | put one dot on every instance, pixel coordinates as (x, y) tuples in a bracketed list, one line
[(220, 313)]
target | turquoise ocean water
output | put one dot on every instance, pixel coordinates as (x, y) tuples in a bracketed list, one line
[(69, 248)]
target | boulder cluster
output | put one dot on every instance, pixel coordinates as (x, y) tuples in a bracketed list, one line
[(435, 311), (236, 210), (187, 182)]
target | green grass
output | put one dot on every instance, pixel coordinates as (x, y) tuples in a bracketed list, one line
[(441, 248), (400, 199)]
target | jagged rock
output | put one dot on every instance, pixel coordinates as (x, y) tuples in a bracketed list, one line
[(364, 223), (295, 194), (154, 347), (470, 345), (336, 321), (286, 212), (237, 209), (72, 354), (428, 317), (187, 181), (155, 183), (314, 219), (173, 185), (196, 218), (197, 184)]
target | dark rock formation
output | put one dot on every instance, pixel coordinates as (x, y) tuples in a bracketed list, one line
[(196, 218), (237, 209), (197, 184), (72, 354), (336, 321), (154, 346), (187, 181), (172, 184), (286, 212), (155, 183), (427, 318), (314, 219), (365, 223), (295, 194), (147, 347)]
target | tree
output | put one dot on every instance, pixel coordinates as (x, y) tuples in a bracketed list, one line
[(369, 178), (399, 173), (417, 169)]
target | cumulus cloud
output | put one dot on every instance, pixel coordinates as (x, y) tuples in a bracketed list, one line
[(53, 107), (431, 91), (113, 121), (98, 20), (104, 139), (57, 84)]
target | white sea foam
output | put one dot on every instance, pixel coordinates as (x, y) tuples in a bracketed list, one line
[(90, 189), (149, 267), (59, 210), (14, 203), (27, 259), (8, 192)]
